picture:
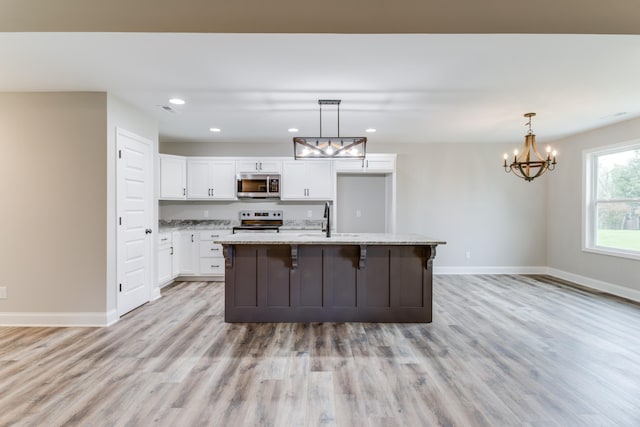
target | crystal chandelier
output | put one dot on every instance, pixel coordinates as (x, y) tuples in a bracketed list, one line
[(329, 147), (529, 164)]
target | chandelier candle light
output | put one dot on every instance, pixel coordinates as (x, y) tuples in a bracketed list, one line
[(523, 166), (329, 147)]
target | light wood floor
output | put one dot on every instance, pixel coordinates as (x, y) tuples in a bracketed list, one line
[(502, 351)]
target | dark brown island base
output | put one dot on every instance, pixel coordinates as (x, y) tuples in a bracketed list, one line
[(343, 278)]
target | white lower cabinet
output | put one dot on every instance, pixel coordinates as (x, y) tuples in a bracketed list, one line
[(211, 260), (189, 252), (166, 258)]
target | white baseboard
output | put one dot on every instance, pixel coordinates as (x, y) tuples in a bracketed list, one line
[(155, 292), (59, 319), (490, 270), (599, 285), (112, 317)]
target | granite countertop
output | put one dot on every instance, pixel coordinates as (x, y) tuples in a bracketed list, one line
[(335, 239), (188, 224)]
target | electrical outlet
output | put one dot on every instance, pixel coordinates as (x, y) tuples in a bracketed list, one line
[(309, 213), (3, 292), (467, 255), (205, 214)]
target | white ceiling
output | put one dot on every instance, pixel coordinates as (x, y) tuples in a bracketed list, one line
[(411, 88)]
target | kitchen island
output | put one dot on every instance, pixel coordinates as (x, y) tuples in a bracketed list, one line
[(273, 277)]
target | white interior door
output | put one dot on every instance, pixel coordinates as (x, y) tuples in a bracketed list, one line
[(134, 205)]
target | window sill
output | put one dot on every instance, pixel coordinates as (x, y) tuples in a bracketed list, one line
[(619, 253)]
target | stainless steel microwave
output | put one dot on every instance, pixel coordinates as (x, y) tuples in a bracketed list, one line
[(258, 186)]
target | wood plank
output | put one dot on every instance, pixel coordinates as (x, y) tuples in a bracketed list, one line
[(501, 350)]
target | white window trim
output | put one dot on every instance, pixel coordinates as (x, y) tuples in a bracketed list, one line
[(588, 196)]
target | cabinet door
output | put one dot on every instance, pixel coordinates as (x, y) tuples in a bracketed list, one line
[(372, 163), (353, 165), (307, 180), (173, 177), (223, 178), (252, 165), (198, 179), (187, 253), (379, 164), (176, 253), (270, 166), (319, 180), (294, 180), (165, 263)]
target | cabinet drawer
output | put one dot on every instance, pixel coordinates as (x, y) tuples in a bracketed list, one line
[(212, 234), (165, 239), (211, 266), (210, 249)]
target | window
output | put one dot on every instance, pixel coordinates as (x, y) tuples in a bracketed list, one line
[(612, 202)]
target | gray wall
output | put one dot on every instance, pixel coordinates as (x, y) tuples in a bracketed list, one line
[(53, 182), (564, 249), (361, 203), (458, 193)]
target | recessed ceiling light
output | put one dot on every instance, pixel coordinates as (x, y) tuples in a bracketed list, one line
[(293, 130), (370, 130), (214, 129), (177, 101)]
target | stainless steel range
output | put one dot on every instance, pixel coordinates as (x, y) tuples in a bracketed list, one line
[(262, 221)]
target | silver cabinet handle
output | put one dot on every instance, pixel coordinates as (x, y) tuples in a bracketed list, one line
[(184, 191), (171, 251), (192, 238), (164, 239), (215, 249), (215, 235), (215, 266)]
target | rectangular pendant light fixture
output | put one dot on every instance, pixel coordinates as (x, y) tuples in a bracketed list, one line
[(329, 147)]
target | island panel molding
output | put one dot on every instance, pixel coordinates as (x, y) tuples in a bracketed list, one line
[(335, 282)]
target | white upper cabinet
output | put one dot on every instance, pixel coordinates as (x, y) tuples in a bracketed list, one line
[(373, 163), (258, 165), (307, 180), (211, 179), (173, 177)]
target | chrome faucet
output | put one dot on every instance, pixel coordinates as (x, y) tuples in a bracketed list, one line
[(327, 215)]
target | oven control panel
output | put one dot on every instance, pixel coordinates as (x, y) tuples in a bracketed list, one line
[(266, 215)]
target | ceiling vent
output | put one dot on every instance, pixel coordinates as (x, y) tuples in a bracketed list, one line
[(167, 108)]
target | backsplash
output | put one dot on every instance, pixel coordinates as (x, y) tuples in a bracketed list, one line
[(218, 211), (291, 224)]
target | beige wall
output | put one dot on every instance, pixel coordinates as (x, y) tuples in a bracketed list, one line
[(564, 250), (53, 186), (57, 180)]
